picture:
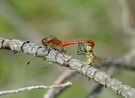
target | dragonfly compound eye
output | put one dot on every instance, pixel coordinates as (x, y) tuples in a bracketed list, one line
[(44, 41), (89, 48)]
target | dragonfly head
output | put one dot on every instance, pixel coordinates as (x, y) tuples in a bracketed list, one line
[(46, 39), (89, 48)]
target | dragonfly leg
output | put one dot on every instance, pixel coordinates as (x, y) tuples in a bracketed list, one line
[(64, 50), (81, 51)]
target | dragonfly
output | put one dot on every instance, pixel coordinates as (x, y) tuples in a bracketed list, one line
[(92, 59), (88, 51), (55, 42), (81, 50)]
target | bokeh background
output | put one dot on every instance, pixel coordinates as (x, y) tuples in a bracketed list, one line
[(98, 20)]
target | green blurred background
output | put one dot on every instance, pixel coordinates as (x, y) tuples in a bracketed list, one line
[(98, 20)]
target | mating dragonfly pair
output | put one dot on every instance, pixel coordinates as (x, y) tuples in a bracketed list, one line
[(81, 50)]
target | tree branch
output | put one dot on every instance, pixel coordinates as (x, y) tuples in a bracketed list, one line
[(98, 88), (56, 56)]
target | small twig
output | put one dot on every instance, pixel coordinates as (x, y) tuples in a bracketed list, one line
[(34, 87)]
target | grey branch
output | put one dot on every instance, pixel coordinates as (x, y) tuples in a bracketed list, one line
[(34, 87), (98, 88), (58, 57)]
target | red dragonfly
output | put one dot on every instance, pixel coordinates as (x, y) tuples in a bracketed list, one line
[(55, 42)]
